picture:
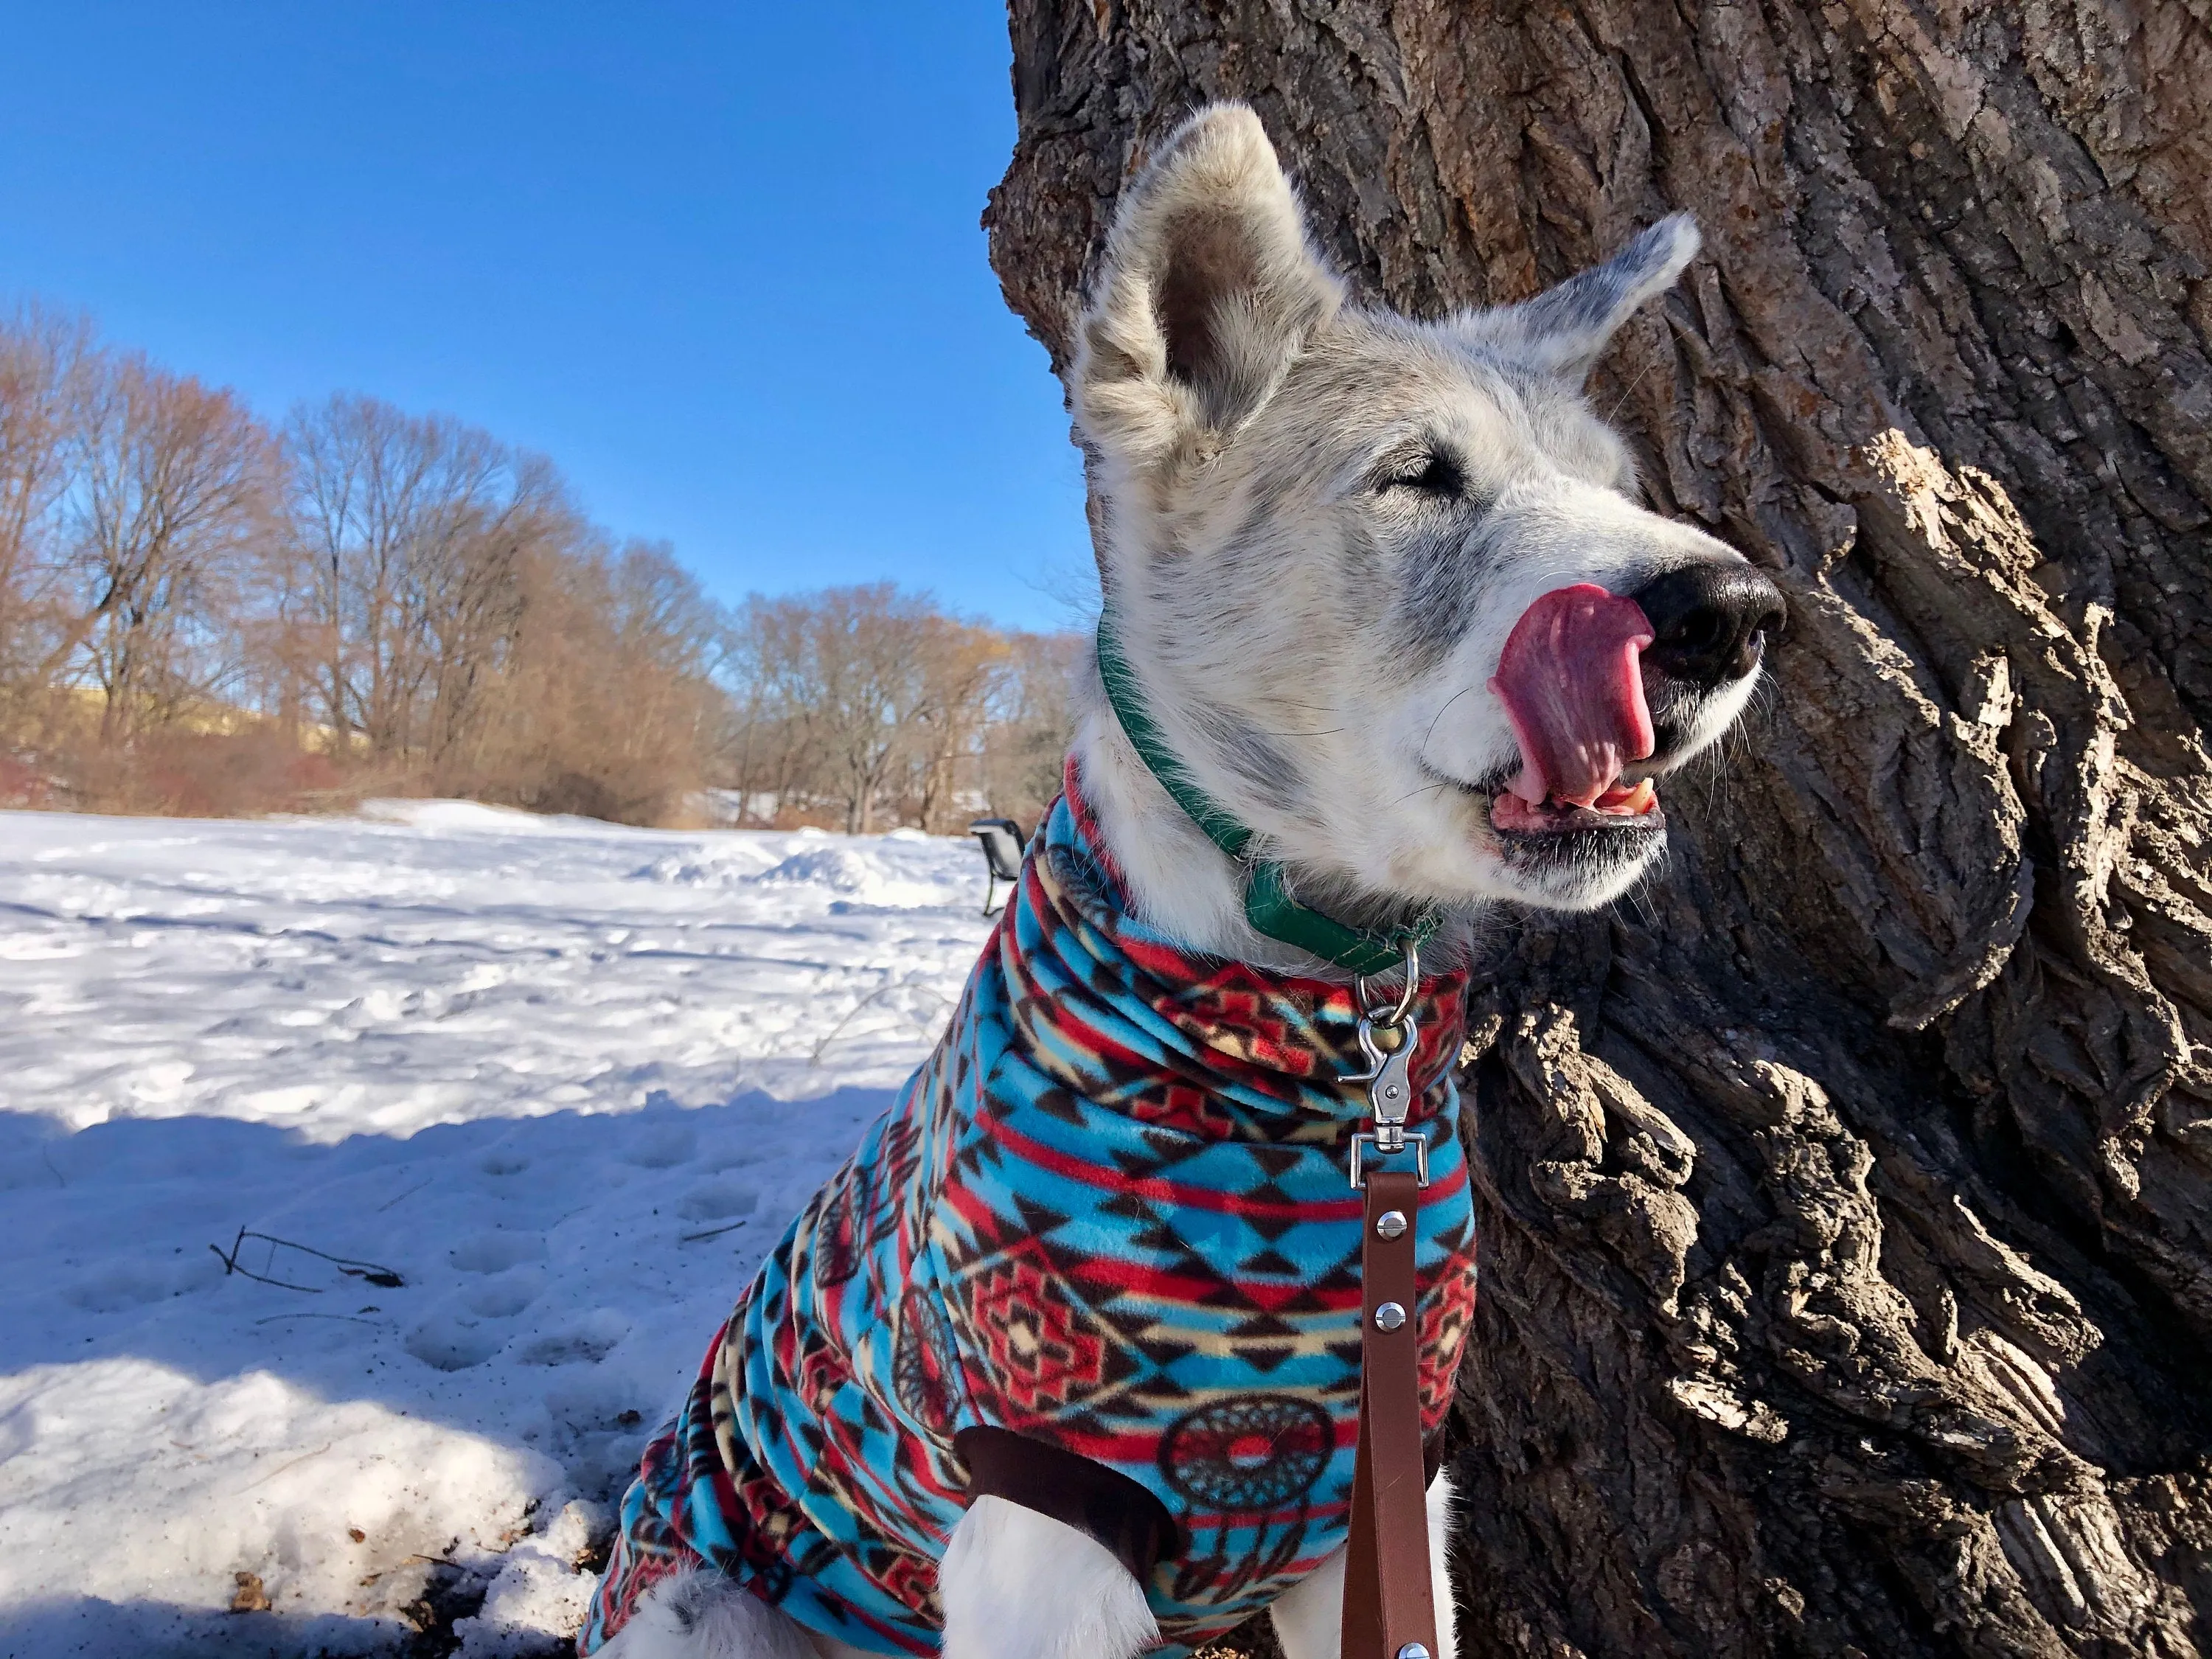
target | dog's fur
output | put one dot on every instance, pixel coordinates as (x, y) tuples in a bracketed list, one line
[(1321, 523)]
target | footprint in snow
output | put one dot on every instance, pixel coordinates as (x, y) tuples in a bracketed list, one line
[(448, 1343), (586, 1340), (717, 1200), (120, 1286), (505, 1295), (496, 1251), (662, 1149)]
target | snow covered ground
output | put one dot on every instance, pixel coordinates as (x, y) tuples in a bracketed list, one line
[(549, 1086)]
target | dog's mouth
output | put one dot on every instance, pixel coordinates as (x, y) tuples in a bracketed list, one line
[(1572, 680), (1614, 811)]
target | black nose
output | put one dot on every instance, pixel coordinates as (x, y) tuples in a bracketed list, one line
[(1709, 621)]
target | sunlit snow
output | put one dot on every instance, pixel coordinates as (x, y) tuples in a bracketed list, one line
[(564, 1081)]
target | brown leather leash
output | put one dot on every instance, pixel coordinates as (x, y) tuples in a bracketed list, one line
[(1390, 1610)]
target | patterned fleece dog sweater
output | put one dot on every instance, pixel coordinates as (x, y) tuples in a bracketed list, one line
[(1100, 1256)]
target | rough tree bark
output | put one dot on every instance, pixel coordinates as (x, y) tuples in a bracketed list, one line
[(1847, 1254)]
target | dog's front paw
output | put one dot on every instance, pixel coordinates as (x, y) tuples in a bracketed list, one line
[(1020, 1585), (705, 1615)]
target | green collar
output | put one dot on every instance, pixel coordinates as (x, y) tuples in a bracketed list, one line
[(1269, 905)]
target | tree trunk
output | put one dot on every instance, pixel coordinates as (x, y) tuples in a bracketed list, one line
[(1847, 1255)]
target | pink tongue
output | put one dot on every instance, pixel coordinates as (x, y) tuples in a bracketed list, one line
[(1572, 688)]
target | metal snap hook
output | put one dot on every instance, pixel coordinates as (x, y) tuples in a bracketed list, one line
[(1411, 968)]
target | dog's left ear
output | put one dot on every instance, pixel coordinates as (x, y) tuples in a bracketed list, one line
[(1209, 289), (1563, 331)]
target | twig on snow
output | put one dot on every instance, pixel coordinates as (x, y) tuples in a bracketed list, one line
[(911, 981), (714, 1232), (403, 1197), (368, 1272), (304, 1457), (831, 1035)]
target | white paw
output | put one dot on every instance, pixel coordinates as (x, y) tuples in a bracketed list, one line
[(1020, 1585), (705, 1615)]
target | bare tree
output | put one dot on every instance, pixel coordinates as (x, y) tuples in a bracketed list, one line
[(1845, 1198), (44, 358), (170, 489), (661, 614), (469, 590), (770, 760), (964, 676), (839, 673), (873, 701), (355, 479), (410, 532), (1025, 746), (605, 704)]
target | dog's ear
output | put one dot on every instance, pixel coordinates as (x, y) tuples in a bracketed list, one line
[(1565, 330), (1209, 289)]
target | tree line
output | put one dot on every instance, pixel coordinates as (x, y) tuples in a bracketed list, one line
[(201, 611)]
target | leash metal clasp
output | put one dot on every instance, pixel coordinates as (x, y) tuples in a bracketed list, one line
[(1389, 1036), (1420, 1141)]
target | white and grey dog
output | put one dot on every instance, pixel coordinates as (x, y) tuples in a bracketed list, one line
[(1325, 530)]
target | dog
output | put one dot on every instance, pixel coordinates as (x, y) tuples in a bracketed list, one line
[(1379, 597)]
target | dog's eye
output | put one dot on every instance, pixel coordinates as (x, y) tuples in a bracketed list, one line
[(1432, 474)]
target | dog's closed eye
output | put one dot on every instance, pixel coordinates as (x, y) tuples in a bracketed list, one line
[(1430, 471)]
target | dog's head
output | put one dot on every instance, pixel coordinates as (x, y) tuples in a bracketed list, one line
[(1381, 582)]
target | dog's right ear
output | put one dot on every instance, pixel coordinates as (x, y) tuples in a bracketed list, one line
[(1209, 289)]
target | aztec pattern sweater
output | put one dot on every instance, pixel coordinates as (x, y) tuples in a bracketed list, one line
[(1109, 1215)]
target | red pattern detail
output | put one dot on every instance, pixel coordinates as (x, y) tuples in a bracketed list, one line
[(774, 1516), (823, 1373), (1159, 1189), (1043, 1351), (1446, 1312), (630, 1579), (908, 1579), (1176, 1103)]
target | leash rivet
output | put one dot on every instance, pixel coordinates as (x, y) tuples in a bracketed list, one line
[(1389, 1316), (1413, 1650), (1391, 1223)]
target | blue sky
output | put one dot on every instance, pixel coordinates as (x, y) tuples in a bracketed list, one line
[(720, 262)]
